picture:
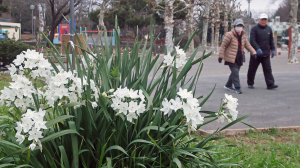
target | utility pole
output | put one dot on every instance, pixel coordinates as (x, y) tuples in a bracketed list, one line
[(72, 27), (248, 31), (32, 7)]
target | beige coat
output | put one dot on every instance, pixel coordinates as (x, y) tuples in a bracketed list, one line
[(230, 45)]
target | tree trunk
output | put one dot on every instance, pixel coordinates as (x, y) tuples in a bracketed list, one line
[(212, 26), (227, 3), (191, 29), (294, 44), (169, 24), (101, 24), (217, 24), (205, 24)]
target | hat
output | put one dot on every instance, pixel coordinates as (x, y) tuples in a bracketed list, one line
[(238, 22), (263, 16)]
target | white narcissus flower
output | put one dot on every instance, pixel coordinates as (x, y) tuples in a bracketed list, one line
[(27, 124), (61, 91), (132, 107), (197, 120), (19, 103), (35, 134), (16, 85), (133, 94), (123, 107), (94, 105), (20, 138), (166, 106), (32, 146), (19, 127), (230, 98), (179, 63), (29, 114), (19, 60), (40, 124), (116, 103), (141, 108), (44, 64), (131, 116), (168, 59), (8, 93), (192, 102), (141, 95), (12, 69), (30, 64), (176, 104), (183, 93)]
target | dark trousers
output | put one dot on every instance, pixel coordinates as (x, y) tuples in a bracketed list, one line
[(234, 77), (266, 65)]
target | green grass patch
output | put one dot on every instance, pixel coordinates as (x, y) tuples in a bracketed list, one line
[(271, 148)]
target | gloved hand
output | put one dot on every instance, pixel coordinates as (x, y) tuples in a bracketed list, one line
[(220, 60), (273, 53), (259, 52), (254, 56)]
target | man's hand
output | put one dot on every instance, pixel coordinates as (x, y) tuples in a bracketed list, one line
[(254, 56), (259, 52), (220, 60), (273, 53)]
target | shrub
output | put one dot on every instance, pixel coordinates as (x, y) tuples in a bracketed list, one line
[(108, 113), (9, 49)]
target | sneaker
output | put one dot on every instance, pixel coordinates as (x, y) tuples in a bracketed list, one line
[(272, 87), (250, 86), (238, 91), (229, 88)]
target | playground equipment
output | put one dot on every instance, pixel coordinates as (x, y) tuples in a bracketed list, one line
[(12, 30), (62, 29), (92, 36)]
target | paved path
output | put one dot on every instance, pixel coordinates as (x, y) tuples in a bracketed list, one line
[(269, 108)]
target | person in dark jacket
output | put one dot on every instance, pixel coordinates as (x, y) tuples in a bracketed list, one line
[(261, 39)]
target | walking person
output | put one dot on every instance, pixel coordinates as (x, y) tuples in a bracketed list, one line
[(232, 50), (261, 39)]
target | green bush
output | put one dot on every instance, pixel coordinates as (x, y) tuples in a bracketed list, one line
[(9, 49)]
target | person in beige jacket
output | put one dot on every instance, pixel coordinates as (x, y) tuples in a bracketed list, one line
[(232, 51)]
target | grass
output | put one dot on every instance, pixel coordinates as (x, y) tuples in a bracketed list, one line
[(271, 148)]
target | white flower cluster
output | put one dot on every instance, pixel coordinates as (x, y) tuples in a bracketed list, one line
[(188, 104), (58, 85), (32, 124), (19, 92), (230, 104), (180, 58), (129, 102)]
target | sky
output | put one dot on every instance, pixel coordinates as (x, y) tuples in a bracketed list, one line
[(259, 4)]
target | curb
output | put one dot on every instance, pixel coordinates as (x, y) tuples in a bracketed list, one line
[(233, 132)]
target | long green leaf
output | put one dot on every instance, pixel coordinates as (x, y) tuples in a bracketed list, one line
[(57, 120)]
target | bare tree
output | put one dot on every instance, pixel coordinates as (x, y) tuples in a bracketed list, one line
[(191, 4), (212, 25), (293, 20), (103, 9), (217, 26), (226, 10), (169, 11), (205, 24)]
